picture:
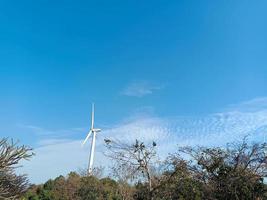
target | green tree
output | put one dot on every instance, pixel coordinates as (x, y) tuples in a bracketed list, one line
[(89, 188), (95, 189), (234, 172), (177, 182)]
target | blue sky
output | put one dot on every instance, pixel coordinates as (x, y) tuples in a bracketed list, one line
[(182, 67)]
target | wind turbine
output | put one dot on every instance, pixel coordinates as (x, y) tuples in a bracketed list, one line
[(93, 131)]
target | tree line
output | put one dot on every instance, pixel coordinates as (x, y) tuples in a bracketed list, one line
[(234, 172)]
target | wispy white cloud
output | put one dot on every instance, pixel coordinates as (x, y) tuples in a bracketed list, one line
[(44, 132), (141, 88), (253, 105), (51, 141), (56, 157)]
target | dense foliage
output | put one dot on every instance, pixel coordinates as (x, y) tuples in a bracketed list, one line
[(201, 173), (73, 187)]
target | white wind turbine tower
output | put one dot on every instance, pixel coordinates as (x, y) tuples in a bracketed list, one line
[(93, 131)]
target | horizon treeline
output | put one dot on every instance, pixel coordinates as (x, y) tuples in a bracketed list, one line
[(234, 172)]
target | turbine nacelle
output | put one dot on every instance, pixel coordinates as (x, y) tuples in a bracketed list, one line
[(92, 129), (96, 130)]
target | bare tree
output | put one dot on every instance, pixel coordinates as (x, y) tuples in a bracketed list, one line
[(135, 160), (11, 185)]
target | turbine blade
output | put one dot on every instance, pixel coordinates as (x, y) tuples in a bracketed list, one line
[(93, 116), (87, 137)]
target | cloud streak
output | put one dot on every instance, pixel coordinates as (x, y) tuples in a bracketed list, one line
[(47, 133), (253, 105), (140, 89)]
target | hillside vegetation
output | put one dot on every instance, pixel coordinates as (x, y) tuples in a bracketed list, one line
[(194, 173)]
